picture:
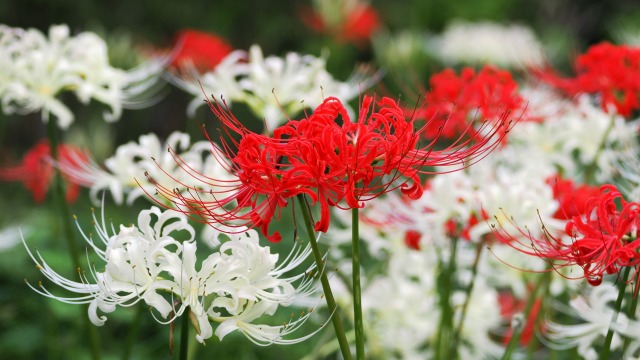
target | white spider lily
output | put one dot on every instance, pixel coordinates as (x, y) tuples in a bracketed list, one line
[(594, 313), (512, 46), (233, 286), (221, 80), (273, 86), (36, 68), (133, 257), (135, 167), (573, 138)]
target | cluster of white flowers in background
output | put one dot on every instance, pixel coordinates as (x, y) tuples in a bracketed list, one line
[(573, 137), (156, 262), (400, 300), (508, 46), (273, 87), (135, 167), (35, 69)]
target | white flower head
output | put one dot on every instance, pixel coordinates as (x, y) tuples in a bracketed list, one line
[(512, 46), (136, 167), (36, 68), (578, 134), (593, 314), (273, 86), (156, 261)]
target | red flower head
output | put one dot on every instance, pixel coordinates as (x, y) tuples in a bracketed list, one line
[(412, 239), (356, 23), (36, 171), (603, 240), (454, 102), (328, 157), (360, 24), (572, 199), (200, 49), (610, 71)]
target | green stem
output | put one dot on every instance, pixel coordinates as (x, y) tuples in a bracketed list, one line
[(517, 331), (326, 288), (537, 322), (622, 284), (357, 290), (631, 314), (445, 279), (184, 335), (465, 306), (63, 207), (59, 200)]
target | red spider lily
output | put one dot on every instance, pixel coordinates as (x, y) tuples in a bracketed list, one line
[(200, 49), (328, 157), (357, 26), (36, 170), (455, 101), (571, 197), (611, 71), (602, 241)]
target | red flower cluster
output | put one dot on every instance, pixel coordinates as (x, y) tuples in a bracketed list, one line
[(455, 102), (603, 240), (202, 50), (357, 26), (572, 199), (328, 157), (611, 71), (36, 170)]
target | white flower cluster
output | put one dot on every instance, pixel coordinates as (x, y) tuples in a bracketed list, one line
[(592, 316), (272, 87), (35, 69), (136, 166), (575, 134), (400, 304), (512, 46), (233, 286)]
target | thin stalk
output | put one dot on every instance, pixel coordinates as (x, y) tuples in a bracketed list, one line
[(631, 314), (357, 289), (517, 331), (622, 284), (445, 281), (63, 207), (184, 335), (326, 288), (533, 343), (465, 306), (58, 195)]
